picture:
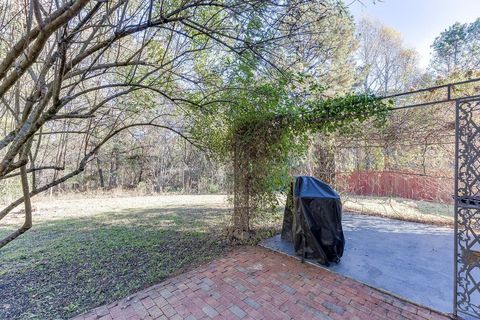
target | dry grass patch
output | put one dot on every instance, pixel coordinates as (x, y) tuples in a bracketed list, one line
[(401, 209)]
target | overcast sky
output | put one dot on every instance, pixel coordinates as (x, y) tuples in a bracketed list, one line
[(419, 21)]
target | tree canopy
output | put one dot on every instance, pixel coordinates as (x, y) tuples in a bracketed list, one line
[(457, 49), (78, 74)]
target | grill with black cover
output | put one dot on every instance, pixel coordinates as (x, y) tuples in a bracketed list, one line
[(313, 220)]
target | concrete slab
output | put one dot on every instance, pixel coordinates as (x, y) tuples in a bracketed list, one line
[(411, 260)]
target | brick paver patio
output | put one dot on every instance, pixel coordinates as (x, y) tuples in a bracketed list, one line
[(255, 283)]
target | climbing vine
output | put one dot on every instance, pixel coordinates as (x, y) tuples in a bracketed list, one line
[(260, 129)]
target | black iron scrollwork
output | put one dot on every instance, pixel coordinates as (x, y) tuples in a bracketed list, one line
[(467, 208)]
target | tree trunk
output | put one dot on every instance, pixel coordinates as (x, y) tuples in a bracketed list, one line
[(113, 181), (324, 164), (28, 209), (100, 173), (387, 158), (241, 197)]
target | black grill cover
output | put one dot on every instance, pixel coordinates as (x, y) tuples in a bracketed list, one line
[(313, 220)]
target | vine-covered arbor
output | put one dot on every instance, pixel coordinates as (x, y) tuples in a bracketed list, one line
[(261, 146)]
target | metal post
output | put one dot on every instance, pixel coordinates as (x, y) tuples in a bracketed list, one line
[(455, 213)]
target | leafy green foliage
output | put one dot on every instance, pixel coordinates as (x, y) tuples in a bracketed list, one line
[(263, 127), (457, 49)]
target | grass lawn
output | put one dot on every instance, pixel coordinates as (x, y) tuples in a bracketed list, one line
[(87, 252)]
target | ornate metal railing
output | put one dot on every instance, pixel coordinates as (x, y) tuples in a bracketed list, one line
[(467, 208)]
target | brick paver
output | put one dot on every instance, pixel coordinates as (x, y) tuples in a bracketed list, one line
[(255, 283)]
